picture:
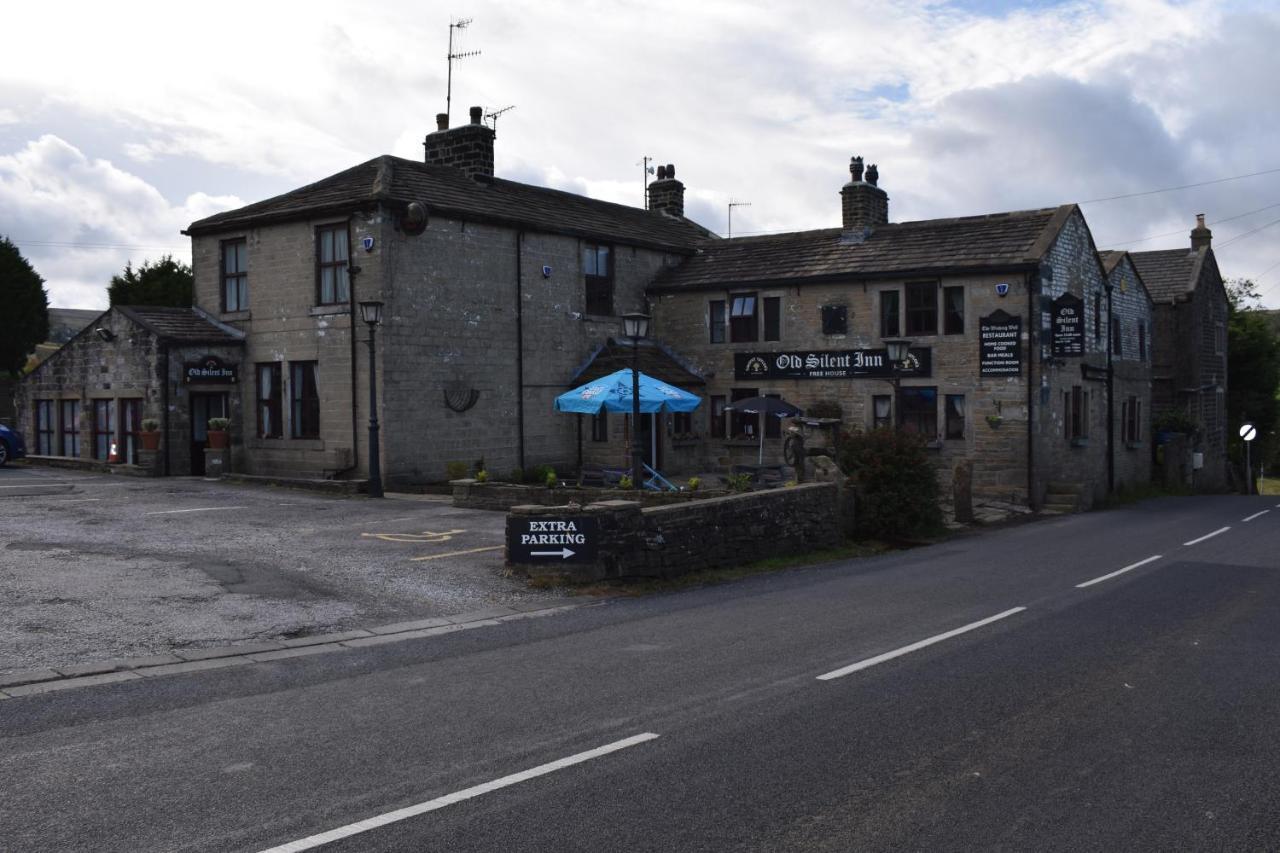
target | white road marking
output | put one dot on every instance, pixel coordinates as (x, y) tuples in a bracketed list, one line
[(1207, 536), (77, 500), (455, 553), (449, 799), (197, 509), (869, 662), (1256, 514), (1120, 572)]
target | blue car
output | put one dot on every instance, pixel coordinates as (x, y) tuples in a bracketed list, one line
[(11, 445)]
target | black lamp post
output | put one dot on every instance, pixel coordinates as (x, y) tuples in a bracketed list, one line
[(898, 350), (371, 313), (635, 327)]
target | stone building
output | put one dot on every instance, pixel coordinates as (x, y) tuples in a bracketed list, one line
[(1190, 346), (177, 366), (1008, 317)]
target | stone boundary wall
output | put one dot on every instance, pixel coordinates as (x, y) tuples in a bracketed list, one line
[(470, 494), (718, 532)]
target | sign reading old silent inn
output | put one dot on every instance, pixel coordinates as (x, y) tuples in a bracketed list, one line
[(209, 369), (828, 364), (1000, 344), (1068, 326)]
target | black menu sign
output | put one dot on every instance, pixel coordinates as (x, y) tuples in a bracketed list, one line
[(1000, 344), (1068, 326)]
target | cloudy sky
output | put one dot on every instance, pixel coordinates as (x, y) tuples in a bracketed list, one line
[(122, 123)]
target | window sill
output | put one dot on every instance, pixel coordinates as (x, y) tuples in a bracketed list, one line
[(1079, 442), (599, 318), (235, 316), (325, 310), (1133, 445)]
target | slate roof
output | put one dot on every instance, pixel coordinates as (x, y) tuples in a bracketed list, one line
[(447, 191), (1110, 259), (998, 241), (178, 325), (1169, 273), (653, 358)]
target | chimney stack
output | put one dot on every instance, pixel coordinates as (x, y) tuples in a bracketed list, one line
[(1201, 236), (666, 194), (864, 206), (468, 148)]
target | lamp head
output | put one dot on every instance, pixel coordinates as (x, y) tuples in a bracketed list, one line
[(635, 325), (898, 350), (371, 312)]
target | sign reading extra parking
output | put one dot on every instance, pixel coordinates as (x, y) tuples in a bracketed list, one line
[(828, 364), (568, 539)]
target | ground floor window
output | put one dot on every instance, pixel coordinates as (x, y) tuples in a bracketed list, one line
[(1075, 404), (955, 416), (682, 423), (304, 412), (715, 426), (130, 427), (600, 426), (269, 417), (742, 424), (69, 419), (1131, 420), (104, 428), (920, 411), (881, 411), (44, 427)]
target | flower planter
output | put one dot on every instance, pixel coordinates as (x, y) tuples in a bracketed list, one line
[(151, 440), (218, 439)]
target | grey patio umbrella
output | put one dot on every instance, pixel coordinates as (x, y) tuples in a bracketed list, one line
[(768, 407)]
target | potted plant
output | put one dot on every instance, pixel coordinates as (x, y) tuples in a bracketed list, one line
[(150, 434), (218, 437)]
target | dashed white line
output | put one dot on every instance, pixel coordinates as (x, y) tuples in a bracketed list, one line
[(449, 799), (77, 500), (196, 509), (869, 662), (1256, 514), (1207, 536), (1119, 572)]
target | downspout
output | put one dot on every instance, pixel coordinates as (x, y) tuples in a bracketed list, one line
[(520, 349), (355, 404), (1111, 423), (1032, 498), (164, 403)]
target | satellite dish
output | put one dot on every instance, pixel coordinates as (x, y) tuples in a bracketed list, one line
[(414, 221)]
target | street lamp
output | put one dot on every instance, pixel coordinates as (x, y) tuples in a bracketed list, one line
[(898, 351), (371, 313), (635, 326)]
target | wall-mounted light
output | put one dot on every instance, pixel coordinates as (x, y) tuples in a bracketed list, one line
[(105, 333)]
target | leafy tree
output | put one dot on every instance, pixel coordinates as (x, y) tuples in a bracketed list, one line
[(1253, 370), (24, 309), (162, 282)]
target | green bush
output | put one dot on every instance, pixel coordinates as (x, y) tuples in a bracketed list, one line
[(537, 475), (219, 424), (551, 480), (739, 482), (624, 482), (694, 483), (895, 483), (150, 425), (482, 476), (456, 470)]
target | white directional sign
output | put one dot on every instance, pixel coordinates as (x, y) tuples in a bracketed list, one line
[(1248, 432), (539, 539)]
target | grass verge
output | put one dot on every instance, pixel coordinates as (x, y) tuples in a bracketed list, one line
[(711, 577), (1269, 487)]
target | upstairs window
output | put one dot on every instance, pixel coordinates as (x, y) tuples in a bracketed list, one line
[(269, 397), (715, 318), (304, 411), (953, 303), (922, 308), (890, 324), (332, 265), (743, 327), (235, 276), (1097, 317), (772, 318), (835, 319), (1219, 338), (1117, 338), (1142, 341), (597, 267)]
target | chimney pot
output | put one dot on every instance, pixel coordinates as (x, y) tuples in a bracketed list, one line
[(1201, 236), (662, 173), (671, 172), (476, 114), (855, 169), (442, 121), (873, 175)]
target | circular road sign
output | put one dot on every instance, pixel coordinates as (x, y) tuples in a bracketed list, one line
[(1247, 432)]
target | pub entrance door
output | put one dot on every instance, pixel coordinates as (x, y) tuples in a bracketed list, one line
[(203, 407)]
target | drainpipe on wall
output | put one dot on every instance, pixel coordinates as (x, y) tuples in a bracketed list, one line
[(1111, 424), (164, 403), (1033, 356), (520, 348)]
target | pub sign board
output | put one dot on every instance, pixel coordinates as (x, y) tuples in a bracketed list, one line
[(1000, 344), (1068, 326), (543, 539), (829, 364), (210, 369)]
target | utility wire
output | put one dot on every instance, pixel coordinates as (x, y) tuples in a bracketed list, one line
[(1175, 233), (60, 244), (1182, 187), (1248, 233)]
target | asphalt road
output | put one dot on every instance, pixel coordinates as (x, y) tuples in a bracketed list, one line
[(976, 697)]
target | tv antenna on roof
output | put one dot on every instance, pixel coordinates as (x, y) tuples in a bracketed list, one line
[(493, 116), (448, 96), (648, 170), (732, 205)]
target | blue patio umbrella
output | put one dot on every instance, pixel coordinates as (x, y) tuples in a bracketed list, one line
[(613, 393)]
